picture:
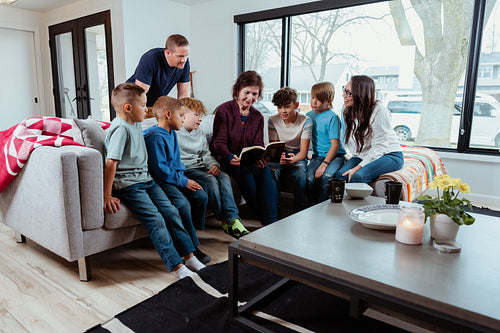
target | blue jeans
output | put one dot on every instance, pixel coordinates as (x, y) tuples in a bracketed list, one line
[(155, 211), (387, 163), (298, 173), (258, 189), (183, 207), (318, 189), (220, 193)]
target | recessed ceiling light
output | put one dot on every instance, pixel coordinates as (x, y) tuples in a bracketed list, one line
[(8, 2)]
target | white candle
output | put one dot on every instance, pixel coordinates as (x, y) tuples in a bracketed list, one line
[(410, 230)]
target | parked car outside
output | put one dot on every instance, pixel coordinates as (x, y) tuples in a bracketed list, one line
[(265, 107), (406, 108)]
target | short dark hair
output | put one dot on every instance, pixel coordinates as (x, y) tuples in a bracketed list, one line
[(174, 41), (166, 103), (246, 79), (125, 93), (285, 96)]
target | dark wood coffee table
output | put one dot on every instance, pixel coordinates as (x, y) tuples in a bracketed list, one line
[(322, 247)]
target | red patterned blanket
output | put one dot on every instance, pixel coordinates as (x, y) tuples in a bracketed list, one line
[(420, 167), (18, 142)]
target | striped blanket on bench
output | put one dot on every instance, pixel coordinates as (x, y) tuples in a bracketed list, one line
[(420, 167)]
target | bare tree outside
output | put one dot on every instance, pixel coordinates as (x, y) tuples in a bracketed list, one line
[(440, 65), (263, 41), (313, 42)]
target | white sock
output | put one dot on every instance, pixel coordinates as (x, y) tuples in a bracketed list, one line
[(194, 264), (183, 272)]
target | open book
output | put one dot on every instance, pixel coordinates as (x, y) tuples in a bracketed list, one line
[(272, 153)]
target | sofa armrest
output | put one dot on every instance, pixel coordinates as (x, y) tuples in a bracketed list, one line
[(44, 200)]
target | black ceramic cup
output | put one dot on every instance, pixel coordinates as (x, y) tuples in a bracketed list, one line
[(337, 187), (393, 192)]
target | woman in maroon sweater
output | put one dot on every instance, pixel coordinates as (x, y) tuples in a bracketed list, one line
[(237, 125)]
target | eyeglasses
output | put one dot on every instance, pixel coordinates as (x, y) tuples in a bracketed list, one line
[(347, 92)]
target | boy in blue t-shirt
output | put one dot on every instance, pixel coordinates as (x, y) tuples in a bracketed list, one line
[(328, 153), (126, 179)]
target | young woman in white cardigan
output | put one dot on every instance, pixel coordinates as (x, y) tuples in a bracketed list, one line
[(368, 134)]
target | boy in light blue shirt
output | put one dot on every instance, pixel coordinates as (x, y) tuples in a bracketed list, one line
[(328, 153)]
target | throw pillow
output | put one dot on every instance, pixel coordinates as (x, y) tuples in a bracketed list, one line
[(92, 133), (76, 132)]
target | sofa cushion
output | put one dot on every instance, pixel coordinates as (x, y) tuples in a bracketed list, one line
[(123, 218)]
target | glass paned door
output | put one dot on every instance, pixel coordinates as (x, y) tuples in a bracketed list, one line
[(66, 79), (82, 68), (97, 72)]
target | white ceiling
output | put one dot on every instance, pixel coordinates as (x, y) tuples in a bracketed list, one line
[(45, 5), (40, 5)]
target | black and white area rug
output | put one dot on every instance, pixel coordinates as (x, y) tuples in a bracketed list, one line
[(199, 304)]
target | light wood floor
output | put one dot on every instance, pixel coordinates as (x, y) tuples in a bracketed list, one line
[(41, 292)]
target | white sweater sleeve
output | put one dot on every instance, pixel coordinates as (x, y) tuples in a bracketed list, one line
[(383, 140)]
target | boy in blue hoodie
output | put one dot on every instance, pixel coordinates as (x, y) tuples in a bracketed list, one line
[(164, 160)]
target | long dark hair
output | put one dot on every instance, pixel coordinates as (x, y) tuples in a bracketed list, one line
[(357, 117)]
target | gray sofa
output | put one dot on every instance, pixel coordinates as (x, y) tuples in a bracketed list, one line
[(57, 201)]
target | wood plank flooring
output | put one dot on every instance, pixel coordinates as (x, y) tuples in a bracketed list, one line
[(41, 292)]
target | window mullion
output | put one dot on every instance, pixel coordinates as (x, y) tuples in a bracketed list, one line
[(471, 76), (285, 51), (241, 48)]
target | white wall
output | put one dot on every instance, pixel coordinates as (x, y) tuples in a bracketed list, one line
[(147, 27), (481, 172)]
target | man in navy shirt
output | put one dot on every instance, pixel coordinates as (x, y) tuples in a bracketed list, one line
[(159, 70)]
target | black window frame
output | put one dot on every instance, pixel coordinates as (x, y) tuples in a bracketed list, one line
[(471, 72)]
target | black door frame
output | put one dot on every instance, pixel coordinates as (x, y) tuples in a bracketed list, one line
[(77, 29)]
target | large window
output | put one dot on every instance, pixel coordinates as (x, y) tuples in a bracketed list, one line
[(263, 54), (435, 65)]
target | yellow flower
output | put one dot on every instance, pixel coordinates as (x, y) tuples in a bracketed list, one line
[(445, 182), (448, 202), (464, 188)]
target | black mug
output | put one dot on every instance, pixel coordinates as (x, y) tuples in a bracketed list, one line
[(337, 186), (393, 192)]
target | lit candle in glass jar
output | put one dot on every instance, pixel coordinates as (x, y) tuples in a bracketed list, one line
[(410, 226)]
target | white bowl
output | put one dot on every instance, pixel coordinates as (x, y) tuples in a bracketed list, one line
[(358, 190)]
